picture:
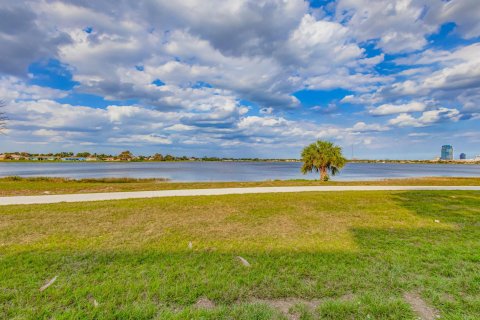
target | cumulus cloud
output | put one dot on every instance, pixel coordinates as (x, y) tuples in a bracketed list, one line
[(238, 28), (396, 25), (13, 88), (23, 40), (362, 99), (143, 139), (60, 125), (319, 43), (387, 109), (463, 12), (403, 25), (228, 73), (261, 51), (427, 118), (455, 77), (363, 127)]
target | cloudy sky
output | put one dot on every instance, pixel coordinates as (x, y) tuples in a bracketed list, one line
[(261, 78)]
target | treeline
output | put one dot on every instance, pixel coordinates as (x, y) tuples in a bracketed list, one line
[(122, 156)]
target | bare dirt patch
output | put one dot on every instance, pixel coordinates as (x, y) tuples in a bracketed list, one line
[(447, 297), (285, 305), (347, 297), (421, 308), (205, 303)]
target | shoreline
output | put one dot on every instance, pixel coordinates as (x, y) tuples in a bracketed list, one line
[(465, 162), (18, 186)]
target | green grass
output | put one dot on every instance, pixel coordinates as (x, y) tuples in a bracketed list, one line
[(356, 253), (13, 186)]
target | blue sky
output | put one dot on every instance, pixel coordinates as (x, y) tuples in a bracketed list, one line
[(393, 79)]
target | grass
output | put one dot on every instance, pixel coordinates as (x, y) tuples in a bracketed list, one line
[(13, 186), (355, 253)]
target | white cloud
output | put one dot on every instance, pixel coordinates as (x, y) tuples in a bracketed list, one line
[(405, 120), (418, 134), (463, 12), (143, 139), (13, 88), (403, 25), (458, 69), (427, 118), (259, 122), (261, 51), (23, 41), (45, 132), (180, 127), (387, 109), (363, 127), (342, 78), (451, 78), (396, 24), (322, 43), (133, 126), (235, 28)]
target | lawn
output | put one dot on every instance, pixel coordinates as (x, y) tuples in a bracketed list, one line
[(343, 255), (13, 186)]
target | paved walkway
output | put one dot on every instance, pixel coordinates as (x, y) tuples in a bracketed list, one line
[(209, 192)]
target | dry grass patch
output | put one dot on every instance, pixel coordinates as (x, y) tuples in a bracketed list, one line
[(14, 186), (293, 222)]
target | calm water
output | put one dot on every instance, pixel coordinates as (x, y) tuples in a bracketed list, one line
[(230, 171)]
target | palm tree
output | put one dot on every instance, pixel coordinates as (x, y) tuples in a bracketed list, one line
[(323, 157)]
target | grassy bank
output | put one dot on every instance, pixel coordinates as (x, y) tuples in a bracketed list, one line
[(12, 186), (349, 255)]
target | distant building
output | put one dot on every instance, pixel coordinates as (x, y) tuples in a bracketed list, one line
[(13, 157), (463, 156), (447, 152)]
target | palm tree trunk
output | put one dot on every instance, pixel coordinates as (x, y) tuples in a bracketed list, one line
[(323, 173)]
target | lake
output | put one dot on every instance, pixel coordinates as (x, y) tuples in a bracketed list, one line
[(229, 171)]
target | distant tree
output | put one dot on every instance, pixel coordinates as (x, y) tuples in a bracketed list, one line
[(210, 158), (323, 157), (169, 158), (3, 117), (64, 154), (102, 156), (125, 156), (83, 154), (157, 157)]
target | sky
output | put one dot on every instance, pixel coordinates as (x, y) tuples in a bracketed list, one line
[(384, 79)]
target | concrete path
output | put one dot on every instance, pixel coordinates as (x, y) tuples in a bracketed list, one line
[(209, 192)]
